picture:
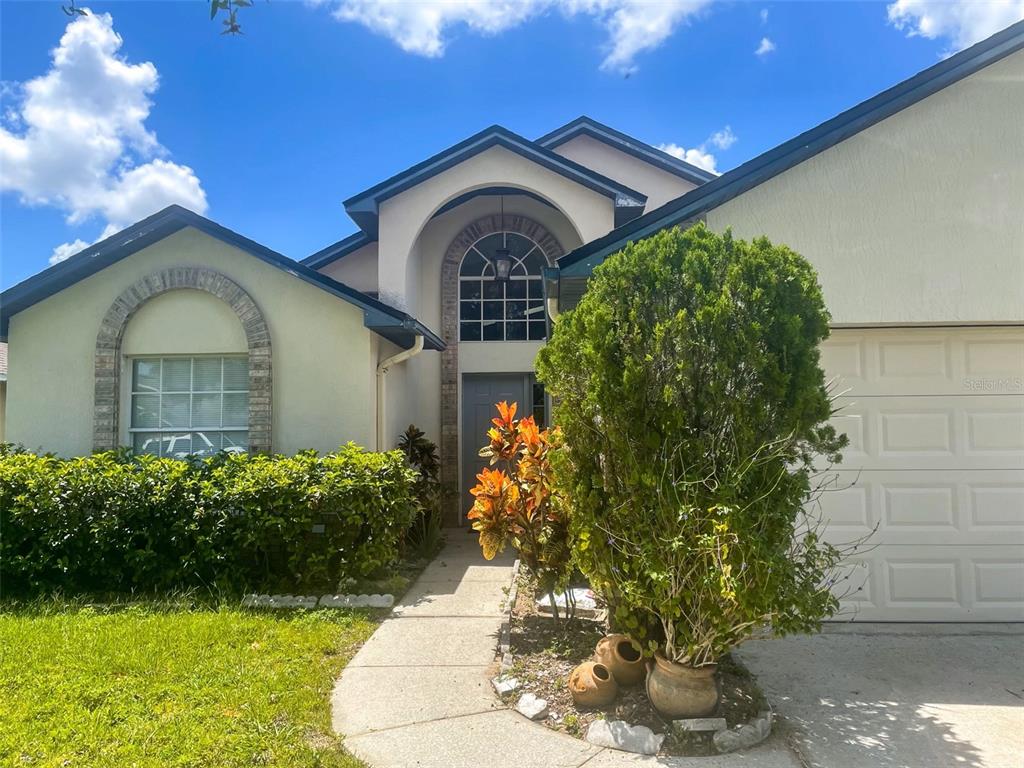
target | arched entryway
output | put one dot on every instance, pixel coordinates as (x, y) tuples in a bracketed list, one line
[(474, 305)]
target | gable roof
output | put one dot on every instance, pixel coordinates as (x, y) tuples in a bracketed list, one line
[(580, 262), (363, 207), (587, 126), (391, 323), (337, 250)]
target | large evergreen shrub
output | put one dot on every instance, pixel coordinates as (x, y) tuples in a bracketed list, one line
[(691, 400), (113, 522)]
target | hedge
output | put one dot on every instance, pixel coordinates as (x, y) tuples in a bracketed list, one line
[(113, 522)]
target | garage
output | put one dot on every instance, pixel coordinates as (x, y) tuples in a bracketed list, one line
[(935, 467)]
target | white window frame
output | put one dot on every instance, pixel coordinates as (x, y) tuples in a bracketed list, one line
[(128, 402)]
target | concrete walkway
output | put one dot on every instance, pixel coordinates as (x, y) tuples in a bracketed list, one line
[(418, 693), (899, 696)]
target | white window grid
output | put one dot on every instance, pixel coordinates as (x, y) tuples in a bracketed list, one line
[(232, 429), (532, 324)]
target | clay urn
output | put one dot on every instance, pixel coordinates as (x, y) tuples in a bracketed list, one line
[(592, 685), (623, 660), (680, 691)]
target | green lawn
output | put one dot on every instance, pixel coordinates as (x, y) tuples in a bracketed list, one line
[(171, 684)]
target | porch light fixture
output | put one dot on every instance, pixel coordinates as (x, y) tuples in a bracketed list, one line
[(503, 256)]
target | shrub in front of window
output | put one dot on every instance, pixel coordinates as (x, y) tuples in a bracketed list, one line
[(114, 522), (692, 404)]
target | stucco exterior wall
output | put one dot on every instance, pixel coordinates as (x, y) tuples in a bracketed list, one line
[(357, 270), (659, 186), (917, 219), (413, 387), (403, 216), (322, 395), (184, 322)]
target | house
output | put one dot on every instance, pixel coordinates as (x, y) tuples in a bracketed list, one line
[(179, 336), (3, 387)]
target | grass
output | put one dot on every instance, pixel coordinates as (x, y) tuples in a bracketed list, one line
[(171, 683)]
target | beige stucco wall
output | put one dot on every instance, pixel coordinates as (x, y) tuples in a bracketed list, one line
[(659, 186), (323, 358), (412, 389), (424, 372), (357, 270), (184, 322), (403, 216), (918, 219)]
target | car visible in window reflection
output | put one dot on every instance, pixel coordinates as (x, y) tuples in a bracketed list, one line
[(181, 446)]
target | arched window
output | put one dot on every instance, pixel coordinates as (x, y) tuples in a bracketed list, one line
[(493, 310)]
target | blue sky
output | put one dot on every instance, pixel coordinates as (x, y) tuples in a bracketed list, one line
[(271, 130)]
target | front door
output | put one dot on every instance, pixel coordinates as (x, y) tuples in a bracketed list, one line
[(480, 393)]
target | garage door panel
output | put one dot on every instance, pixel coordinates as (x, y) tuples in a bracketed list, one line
[(926, 361), (995, 429), (934, 473), (932, 432), (941, 508), (905, 583), (999, 581)]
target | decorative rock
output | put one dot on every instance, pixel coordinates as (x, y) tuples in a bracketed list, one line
[(586, 605), (357, 601), (325, 601), (746, 736), (620, 735), (531, 707), (334, 601), (503, 685), (699, 724)]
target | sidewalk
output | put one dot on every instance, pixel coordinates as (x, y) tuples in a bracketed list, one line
[(418, 693)]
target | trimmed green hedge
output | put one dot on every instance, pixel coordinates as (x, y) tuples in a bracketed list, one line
[(113, 522)]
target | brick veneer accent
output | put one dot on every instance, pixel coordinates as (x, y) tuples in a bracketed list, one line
[(450, 332), (107, 398)]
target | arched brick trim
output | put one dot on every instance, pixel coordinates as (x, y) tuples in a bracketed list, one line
[(108, 350), (450, 332)]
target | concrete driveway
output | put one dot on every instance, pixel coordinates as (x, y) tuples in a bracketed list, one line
[(899, 696)]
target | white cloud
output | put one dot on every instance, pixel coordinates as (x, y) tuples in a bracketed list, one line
[(633, 26), (698, 156), (764, 15), (67, 250), (766, 47), (701, 156), (964, 22), (76, 137), (722, 139)]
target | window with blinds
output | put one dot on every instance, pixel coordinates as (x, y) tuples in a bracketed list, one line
[(183, 406)]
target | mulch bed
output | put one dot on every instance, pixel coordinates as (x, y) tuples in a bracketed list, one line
[(544, 653)]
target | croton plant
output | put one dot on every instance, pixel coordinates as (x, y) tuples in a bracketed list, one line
[(513, 500)]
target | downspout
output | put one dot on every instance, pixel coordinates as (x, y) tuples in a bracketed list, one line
[(551, 277), (382, 369), (553, 312)]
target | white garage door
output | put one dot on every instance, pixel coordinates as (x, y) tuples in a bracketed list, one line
[(935, 419)]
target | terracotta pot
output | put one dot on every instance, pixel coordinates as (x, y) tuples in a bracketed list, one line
[(592, 685), (679, 691), (623, 660)]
